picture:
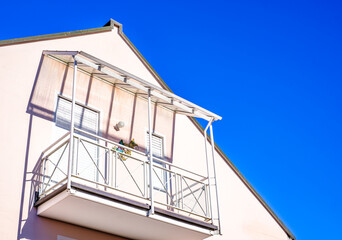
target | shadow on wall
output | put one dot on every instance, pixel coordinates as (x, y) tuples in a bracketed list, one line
[(30, 226), (53, 78)]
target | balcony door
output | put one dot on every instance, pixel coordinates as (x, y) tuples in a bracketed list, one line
[(85, 119)]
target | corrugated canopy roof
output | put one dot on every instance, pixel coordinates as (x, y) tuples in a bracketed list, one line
[(132, 83)]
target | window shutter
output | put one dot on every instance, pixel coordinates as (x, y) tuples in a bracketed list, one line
[(157, 145), (85, 118)]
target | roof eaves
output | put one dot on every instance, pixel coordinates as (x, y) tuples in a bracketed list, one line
[(55, 35)]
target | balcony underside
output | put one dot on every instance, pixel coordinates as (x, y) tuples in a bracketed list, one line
[(99, 210)]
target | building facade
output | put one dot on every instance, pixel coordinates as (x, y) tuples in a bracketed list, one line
[(96, 146)]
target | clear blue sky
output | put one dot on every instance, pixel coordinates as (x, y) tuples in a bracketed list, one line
[(272, 70)]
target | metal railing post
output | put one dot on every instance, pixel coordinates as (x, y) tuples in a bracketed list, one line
[(176, 189), (109, 177), (181, 186), (72, 122), (206, 199), (145, 182), (44, 173), (75, 160), (116, 168), (151, 152)]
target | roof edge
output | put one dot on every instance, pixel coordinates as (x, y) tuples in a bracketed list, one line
[(200, 128), (60, 35)]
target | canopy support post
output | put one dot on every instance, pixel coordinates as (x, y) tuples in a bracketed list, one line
[(72, 123), (208, 172), (214, 168), (151, 211)]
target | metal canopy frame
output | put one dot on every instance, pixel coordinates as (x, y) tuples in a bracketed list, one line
[(132, 83), (109, 73)]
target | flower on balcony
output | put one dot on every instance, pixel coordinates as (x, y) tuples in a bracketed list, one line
[(131, 144)]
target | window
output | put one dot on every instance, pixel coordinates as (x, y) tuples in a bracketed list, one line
[(85, 118), (159, 174)]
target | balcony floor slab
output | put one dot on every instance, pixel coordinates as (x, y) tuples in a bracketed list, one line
[(96, 209)]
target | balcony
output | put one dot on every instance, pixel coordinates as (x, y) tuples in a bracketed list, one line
[(110, 191), (94, 182)]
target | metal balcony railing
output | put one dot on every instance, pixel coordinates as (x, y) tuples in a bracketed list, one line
[(97, 162)]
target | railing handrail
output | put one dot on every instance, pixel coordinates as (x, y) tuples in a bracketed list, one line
[(56, 142), (107, 140), (180, 168), (147, 162), (138, 152)]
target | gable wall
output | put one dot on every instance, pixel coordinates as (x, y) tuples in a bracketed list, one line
[(243, 217)]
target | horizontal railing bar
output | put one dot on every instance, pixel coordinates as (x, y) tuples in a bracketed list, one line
[(56, 149), (171, 171), (197, 181), (155, 165), (106, 140), (180, 168), (46, 191), (108, 186), (56, 142), (116, 189), (107, 148), (183, 210), (133, 150), (90, 141)]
